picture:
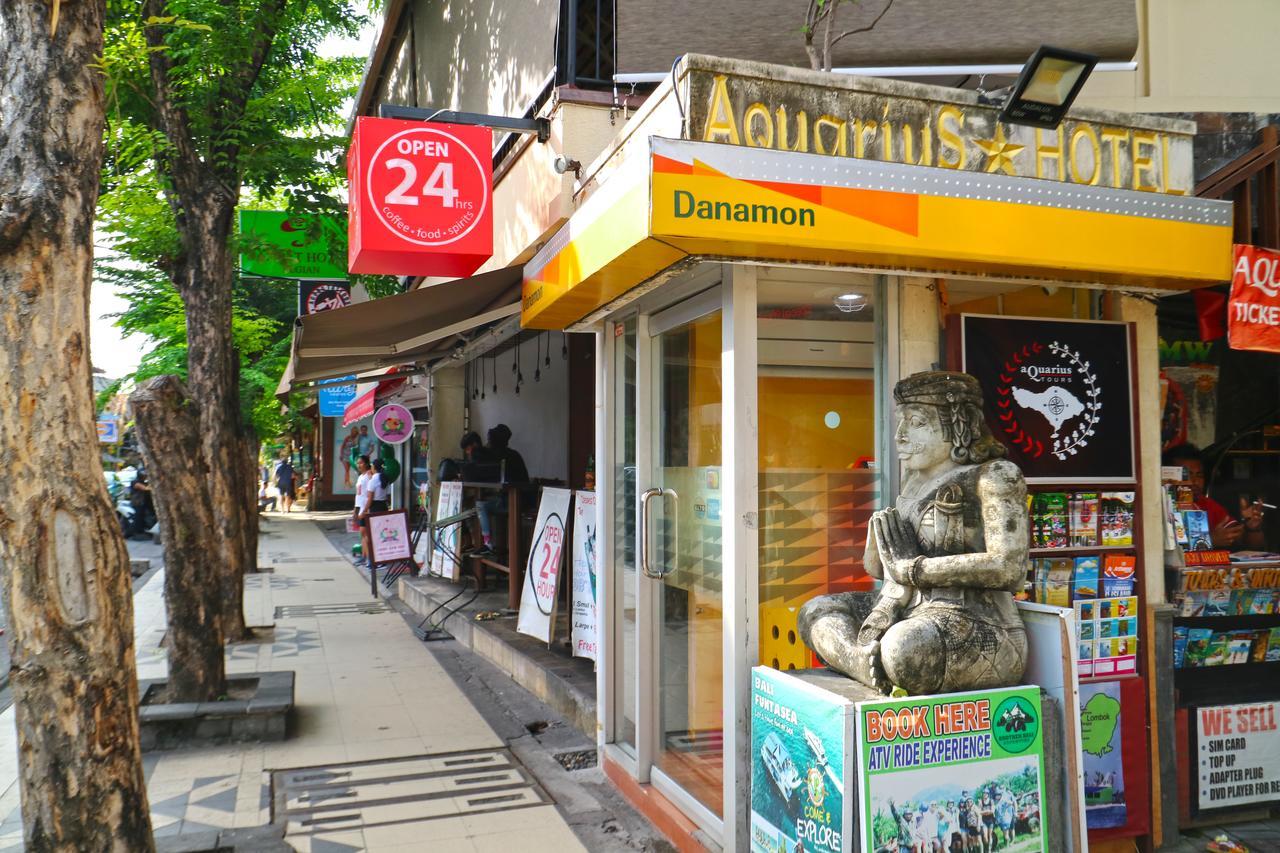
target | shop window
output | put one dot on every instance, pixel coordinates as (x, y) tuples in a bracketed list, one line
[(819, 482)]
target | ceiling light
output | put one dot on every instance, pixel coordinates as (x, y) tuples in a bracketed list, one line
[(850, 303)]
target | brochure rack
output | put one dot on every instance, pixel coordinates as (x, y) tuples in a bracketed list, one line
[(1226, 662)]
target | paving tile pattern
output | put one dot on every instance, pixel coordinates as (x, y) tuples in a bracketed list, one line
[(366, 691)]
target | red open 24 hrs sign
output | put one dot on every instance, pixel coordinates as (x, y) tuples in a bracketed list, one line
[(421, 198)]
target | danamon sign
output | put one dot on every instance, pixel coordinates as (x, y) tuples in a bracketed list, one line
[(927, 126), (421, 198)]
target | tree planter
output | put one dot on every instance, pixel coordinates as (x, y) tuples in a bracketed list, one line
[(260, 715)]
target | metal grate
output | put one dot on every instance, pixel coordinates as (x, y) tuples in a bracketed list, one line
[(345, 797), (302, 611)]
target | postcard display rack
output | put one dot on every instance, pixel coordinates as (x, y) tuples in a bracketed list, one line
[(1226, 659), (1060, 395)]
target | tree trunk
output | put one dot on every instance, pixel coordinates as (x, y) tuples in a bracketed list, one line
[(249, 480), (169, 432), (204, 282), (66, 577)]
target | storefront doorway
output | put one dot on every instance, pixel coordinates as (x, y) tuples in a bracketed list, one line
[(787, 363), (667, 686)]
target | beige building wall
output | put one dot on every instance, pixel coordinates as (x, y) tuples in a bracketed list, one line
[(482, 56), (1198, 56)]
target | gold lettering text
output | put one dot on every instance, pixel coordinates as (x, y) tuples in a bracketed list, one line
[(1084, 131), (1164, 168), (721, 126), (1115, 136), (1143, 163), (840, 126), (908, 146), (765, 139), (802, 131), (862, 130), (949, 139), (1050, 152)]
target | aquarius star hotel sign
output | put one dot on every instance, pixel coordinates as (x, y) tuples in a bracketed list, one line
[(930, 126)]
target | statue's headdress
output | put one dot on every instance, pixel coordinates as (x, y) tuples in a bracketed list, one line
[(958, 398)]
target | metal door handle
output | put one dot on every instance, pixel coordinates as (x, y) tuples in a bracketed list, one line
[(642, 539), (642, 533), (675, 530)]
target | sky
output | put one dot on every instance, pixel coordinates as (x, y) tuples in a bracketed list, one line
[(113, 352)]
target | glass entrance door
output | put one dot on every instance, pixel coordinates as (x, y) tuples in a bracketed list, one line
[(679, 539)]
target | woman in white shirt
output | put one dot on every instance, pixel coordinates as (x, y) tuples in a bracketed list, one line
[(362, 488), (377, 492)]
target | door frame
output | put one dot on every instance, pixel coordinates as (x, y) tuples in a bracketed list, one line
[(675, 302), (656, 315)]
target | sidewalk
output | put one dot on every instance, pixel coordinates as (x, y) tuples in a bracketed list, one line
[(367, 690)]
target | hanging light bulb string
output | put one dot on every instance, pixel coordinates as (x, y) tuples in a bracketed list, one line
[(537, 359), (515, 365)]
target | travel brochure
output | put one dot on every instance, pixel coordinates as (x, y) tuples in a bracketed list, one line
[(1081, 519), (1197, 647), (1102, 590), (1228, 589)]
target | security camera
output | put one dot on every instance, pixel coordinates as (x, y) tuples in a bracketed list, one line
[(565, 163)]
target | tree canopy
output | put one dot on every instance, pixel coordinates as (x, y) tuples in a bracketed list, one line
[(275, 136)]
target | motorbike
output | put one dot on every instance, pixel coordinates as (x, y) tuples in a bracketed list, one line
[(131, 525)]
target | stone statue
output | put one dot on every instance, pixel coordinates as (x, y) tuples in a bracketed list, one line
[(951, 553)]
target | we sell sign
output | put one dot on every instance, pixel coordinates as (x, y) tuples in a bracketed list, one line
[(1239, 754), (1253, 314)]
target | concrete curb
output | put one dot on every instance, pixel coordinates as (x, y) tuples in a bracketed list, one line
[(566, 685)]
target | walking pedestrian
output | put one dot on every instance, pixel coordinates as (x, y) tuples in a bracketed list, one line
[(287, 483)]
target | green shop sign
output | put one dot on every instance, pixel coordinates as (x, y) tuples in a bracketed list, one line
[(280, 245), (964, 768)]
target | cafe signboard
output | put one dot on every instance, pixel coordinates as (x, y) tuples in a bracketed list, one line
[(279, 244), (922, 125), (421, 198)]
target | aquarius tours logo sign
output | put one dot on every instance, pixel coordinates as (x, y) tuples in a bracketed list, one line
[(1060, 387)]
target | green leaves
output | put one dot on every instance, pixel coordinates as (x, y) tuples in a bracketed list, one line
[(264, 118), (174, 20)]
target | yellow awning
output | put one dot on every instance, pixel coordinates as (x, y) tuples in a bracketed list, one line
[(706, 199)]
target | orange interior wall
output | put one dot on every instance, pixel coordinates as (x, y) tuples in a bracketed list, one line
[(812, 509), (792, 430)]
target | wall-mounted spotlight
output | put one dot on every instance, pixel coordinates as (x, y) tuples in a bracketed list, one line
[(1047, 86), (565, 163)]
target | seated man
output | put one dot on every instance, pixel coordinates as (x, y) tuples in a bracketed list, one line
[(1225, 531), (513, 472)]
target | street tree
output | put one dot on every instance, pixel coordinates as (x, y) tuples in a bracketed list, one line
[(66, 582), (168, 423), (209, 101), (822, 33)]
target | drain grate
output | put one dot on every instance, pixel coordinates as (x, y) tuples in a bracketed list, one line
[(284, 558), (403, 790), (577, 760), (302, 611)]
